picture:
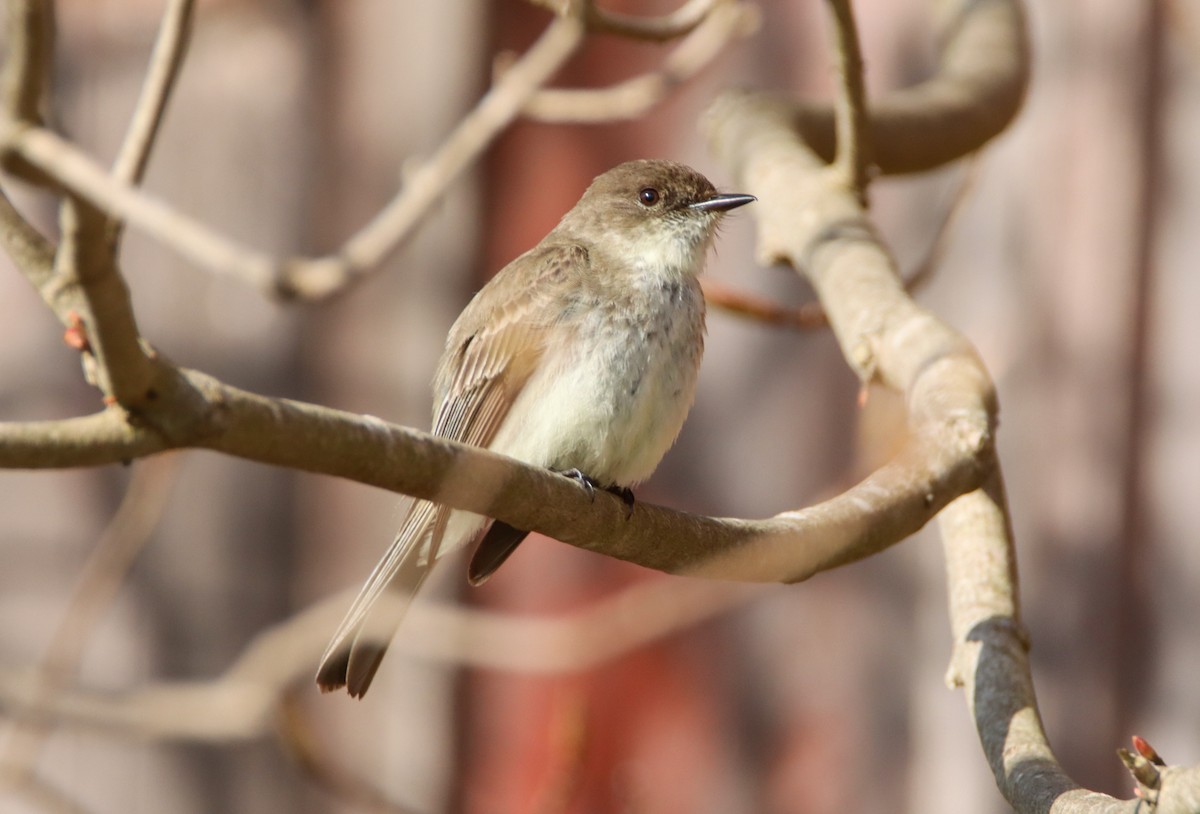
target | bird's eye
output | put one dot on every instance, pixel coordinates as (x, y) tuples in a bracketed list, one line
[(648, 196)]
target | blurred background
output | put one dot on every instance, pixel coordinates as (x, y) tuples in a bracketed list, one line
[(290, 127)]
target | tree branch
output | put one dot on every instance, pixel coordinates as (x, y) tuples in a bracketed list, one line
[(853, 156), (655, 29), (808, 218), (166, 61), (633, 97), (976, 92)]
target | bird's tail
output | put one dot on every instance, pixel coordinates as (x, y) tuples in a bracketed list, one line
[(361, 640)]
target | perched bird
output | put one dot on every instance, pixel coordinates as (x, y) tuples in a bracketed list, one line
[(580, 356)]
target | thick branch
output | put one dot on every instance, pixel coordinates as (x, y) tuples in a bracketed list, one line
[(977, 91), (198, 411), (124, 371), (809, 219)]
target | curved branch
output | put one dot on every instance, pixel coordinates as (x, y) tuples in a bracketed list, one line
[(809, 218), (977, 91), (633, 97), (654, 29)]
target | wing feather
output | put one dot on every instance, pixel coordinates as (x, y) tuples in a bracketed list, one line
[(493, 348)]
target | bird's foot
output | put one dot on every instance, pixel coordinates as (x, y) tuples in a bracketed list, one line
[(626, 495), (590, 484), (583, 480)]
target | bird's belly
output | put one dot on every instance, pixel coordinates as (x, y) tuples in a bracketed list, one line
[(611, 409)]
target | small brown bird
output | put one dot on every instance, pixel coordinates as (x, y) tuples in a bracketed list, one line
[(580, 356)]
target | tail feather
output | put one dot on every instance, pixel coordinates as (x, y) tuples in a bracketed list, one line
[(358, 646)]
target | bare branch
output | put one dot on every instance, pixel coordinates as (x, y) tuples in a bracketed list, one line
[(806, 317), (76, 171), (655, 29), (809, 219), (633, 97), (165, 64), (941, 461), (427, 183), (123, 371), (32, 253), (166, 61), (242, 703), (852, 160), (304, 278), (976, 93), (26, 75)]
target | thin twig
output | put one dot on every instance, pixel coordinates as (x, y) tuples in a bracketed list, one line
[(427, 183), (633, 97), (806, 317), (26, 75), (850, 108), (654, 29), (78, 172), (166, 60)]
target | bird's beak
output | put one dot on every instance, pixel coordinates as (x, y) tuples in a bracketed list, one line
[(719, 202)]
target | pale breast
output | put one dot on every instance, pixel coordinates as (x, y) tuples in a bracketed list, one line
[(612, 401)]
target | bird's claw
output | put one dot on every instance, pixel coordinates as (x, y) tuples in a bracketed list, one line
[(583, 480), (590, 484), (626, 495)]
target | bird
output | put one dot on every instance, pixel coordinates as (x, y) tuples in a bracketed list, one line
[(580, 356)]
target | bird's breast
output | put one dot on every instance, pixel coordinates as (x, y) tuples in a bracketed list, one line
[(611, 399)]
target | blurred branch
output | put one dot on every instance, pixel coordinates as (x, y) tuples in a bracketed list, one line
[(977, 91), (243, 702), (656, 29), (853, 156), (633, 97), (86, 179), (165, 64), (101, 579), (811, 315), (26, 75), (118, 198), (425, 185), (762, 309), (808, 217)]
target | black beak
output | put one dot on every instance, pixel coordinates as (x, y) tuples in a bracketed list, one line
[(719, 202)]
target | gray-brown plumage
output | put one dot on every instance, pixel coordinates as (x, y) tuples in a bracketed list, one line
[(581, 354)]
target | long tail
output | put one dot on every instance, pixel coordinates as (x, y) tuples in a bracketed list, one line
[(361, 640)]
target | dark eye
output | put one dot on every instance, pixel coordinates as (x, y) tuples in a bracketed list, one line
[(648, 196)]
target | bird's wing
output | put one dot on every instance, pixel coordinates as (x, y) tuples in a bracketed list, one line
[(489, 356)]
